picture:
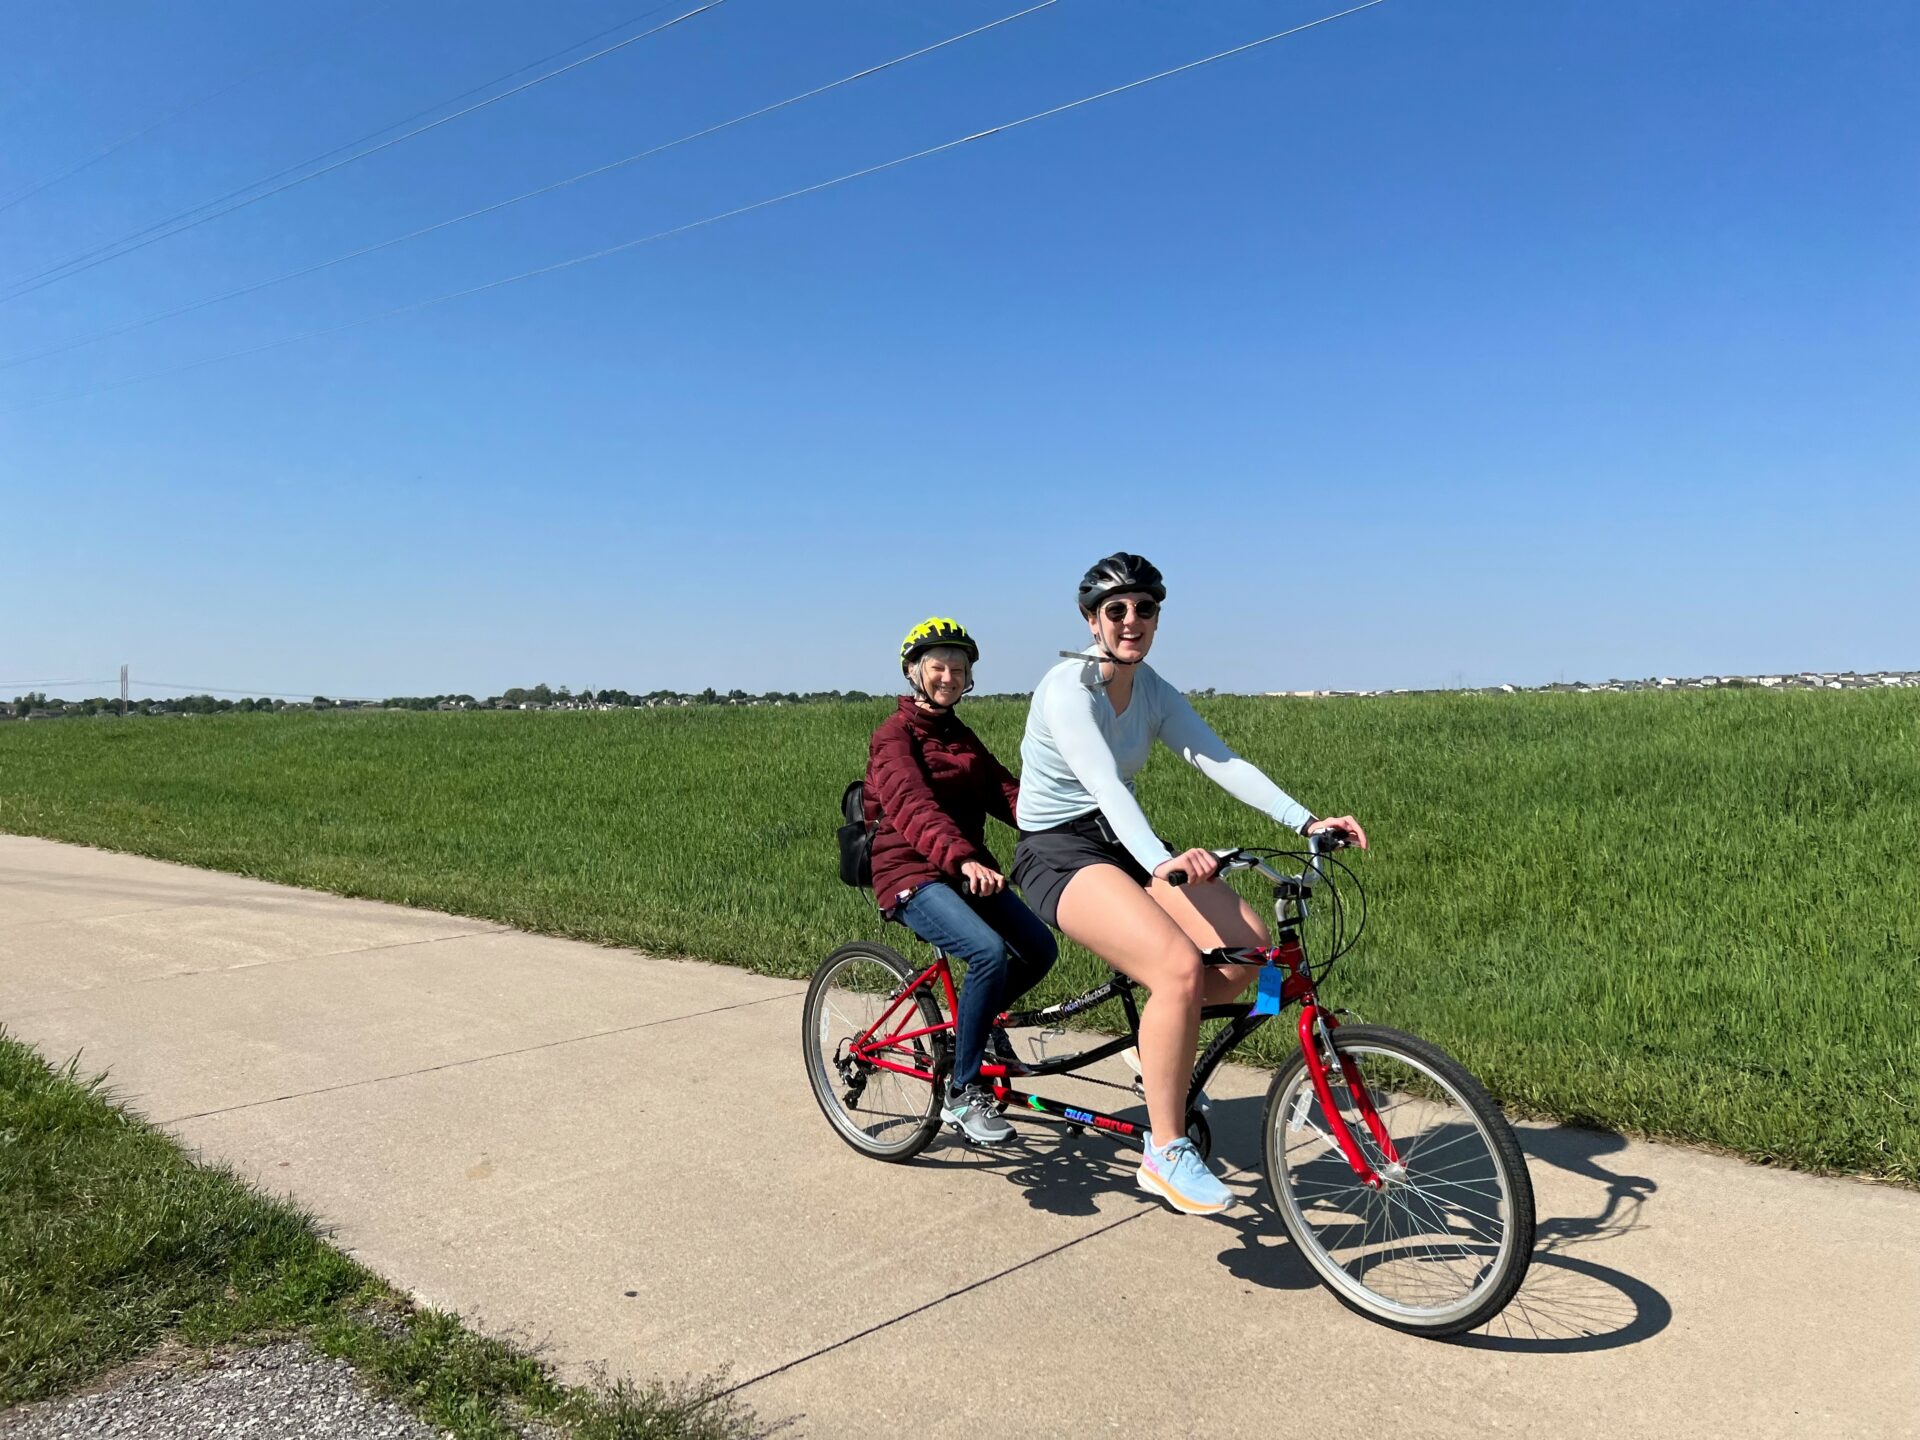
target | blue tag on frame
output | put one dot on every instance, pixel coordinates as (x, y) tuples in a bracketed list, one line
[(1266, 999)]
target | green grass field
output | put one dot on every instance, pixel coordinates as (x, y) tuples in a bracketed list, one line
[(1695, 915)]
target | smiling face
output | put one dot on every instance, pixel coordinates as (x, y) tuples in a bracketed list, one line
[(944, 674), (1125, 623)]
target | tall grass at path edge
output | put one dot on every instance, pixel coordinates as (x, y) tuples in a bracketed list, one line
[(112, 1239), (1695, 915)]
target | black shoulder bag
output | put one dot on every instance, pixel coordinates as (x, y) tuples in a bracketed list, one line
[(856, 837)]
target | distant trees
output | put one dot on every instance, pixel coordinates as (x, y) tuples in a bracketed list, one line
[(38, 705), (538, 695)]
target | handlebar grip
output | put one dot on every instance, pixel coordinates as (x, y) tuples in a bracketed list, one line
[(1176, 877)]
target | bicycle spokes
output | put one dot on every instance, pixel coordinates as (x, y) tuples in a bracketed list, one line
[(872, 1043), (1392, 1170)]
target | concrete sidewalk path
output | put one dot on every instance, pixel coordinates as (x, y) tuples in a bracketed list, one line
[(618, 1157)]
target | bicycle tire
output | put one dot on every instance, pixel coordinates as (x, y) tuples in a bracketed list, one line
[(1317, 1193), (911, 1115)]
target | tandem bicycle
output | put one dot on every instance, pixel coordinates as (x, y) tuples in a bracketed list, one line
[(1391, 1168)]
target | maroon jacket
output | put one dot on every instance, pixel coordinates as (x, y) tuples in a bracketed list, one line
[(931, 785)]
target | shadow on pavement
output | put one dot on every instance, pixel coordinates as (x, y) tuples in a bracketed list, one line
[(1568, 1304), (1061, 1173)]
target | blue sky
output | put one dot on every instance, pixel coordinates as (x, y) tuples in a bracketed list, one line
[(1441, 344)]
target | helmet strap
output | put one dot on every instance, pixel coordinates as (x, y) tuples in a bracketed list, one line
[(927, 702), (1100, 623)]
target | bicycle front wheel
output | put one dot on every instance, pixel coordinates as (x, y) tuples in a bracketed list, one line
[(879, 1111), (1443, 1245)]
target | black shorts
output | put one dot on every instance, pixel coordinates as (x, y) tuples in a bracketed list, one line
[(1045, 860)]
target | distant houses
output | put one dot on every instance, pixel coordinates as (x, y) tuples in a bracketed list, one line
[(38, 706), (1802, 680)]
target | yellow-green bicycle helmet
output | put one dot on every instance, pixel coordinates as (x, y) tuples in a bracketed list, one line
[(937, 630)]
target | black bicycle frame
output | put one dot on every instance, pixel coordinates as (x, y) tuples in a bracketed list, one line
[(1242, 1023)]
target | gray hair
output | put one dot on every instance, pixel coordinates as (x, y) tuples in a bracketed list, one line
[(952, 654)]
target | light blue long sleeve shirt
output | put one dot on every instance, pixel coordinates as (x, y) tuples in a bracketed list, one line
[(1078, 756)]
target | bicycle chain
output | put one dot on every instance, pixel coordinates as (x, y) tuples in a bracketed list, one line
[(1133, 1089), (1039, 1040)]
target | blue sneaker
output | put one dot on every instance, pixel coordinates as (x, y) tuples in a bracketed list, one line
[(1180, 1177)]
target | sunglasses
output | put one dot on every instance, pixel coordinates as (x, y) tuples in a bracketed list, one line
[(1144, 609)]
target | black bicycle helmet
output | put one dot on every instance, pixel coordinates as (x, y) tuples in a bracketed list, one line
[(1118, 574)]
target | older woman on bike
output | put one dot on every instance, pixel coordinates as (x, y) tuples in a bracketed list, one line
[(1092, 866), (931, 785)]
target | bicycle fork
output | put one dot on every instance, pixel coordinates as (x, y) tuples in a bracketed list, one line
[(1316, 1029)]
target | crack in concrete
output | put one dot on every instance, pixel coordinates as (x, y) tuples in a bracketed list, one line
[(905, 1315), (66, 995), (478, 1059), (11, 925), (317, 955)]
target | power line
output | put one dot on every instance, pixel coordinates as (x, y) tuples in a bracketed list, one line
[(715, 219), (74, 264), (178, 685), (530, 194), (205, 99), (118, 248)]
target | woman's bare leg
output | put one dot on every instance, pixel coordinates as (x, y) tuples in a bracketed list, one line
[(1106, 910), (1214, 917)]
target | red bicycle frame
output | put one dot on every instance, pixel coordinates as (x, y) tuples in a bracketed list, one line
[(895, 1050), (866, 1049)]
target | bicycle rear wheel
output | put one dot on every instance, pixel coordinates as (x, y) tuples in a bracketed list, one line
[(1443, 1246), (879, 1112)]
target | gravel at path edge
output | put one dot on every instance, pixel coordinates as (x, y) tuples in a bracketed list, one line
[(285, 1391)]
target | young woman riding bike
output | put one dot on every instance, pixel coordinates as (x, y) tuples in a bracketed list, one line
[(931, 785), (1091, 865)]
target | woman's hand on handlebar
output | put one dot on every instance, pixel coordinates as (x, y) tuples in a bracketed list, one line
[(1195, 866), (1346, 825), (982, 879)]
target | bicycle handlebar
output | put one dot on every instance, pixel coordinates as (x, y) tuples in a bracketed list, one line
[(1291, 892), (1321, 842), (1229, 860), (1177, 878)]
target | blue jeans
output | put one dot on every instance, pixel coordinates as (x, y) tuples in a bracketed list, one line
[(1007, 949)]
